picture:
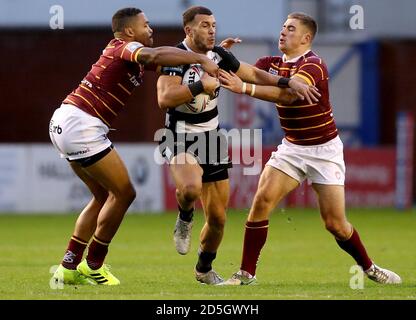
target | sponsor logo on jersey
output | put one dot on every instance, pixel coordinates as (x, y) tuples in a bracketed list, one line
[(132, 46), (134, 81), (87, 83), (192, 74)]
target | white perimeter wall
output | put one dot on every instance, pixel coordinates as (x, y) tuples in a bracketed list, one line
[(34, 179)]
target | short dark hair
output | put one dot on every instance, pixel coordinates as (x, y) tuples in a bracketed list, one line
[(190, 13), (121, 18), (306, 20)]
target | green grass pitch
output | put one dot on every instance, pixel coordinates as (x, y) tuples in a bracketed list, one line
[(299, 261)]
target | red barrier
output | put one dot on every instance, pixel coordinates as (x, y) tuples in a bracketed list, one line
[(371, 176), (370, 182)]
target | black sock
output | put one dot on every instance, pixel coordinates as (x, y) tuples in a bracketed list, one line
[(186, 215), (205, 260)]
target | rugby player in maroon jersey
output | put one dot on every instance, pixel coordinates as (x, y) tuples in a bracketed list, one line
[(311, 149), (78, 130)]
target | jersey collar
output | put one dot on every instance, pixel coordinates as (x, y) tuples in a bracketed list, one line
[(186, 46), (296, 58)]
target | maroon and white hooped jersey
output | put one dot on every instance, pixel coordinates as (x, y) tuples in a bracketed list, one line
[(108, 85), (303, 123)]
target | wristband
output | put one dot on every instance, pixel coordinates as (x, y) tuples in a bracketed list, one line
[(253, 90), (229, 61), (283, 82), (244, 88), (196, 88)]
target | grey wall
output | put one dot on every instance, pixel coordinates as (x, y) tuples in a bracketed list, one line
[(381, 17), (235, 17), (251, 19)]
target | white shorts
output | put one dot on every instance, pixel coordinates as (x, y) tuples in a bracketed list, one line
[(77, 134), (321, 164)]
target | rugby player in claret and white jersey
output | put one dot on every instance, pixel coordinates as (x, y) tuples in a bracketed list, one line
[(311, 149), (78, 130), (202, 173)]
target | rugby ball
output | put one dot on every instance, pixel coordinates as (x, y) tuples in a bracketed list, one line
[(200, 101)]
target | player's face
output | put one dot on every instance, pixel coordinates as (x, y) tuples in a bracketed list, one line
[(292, 36), (142, 31), (202, 32)]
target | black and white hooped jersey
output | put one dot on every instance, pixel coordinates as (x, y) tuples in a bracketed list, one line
[(182, 119)]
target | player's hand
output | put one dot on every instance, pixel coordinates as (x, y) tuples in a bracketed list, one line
[(210, 84), (209, 66), (231, 81), (305, 91), (229, 42)]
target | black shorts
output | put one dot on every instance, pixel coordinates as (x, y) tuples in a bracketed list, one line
[(210, 149)]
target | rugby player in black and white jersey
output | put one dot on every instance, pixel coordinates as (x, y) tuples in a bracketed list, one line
[(198, 154)]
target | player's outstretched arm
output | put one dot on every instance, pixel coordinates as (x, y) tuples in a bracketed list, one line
[(170, 56), (274, 94), (252, 74), (255, 75), (244, 70)]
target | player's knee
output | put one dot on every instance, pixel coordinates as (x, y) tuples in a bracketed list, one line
[(127, 194), (263, 202), (101, 197), (131, 194), (217, 221), (337, 229), (191, 192)]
